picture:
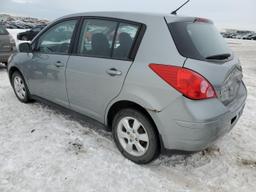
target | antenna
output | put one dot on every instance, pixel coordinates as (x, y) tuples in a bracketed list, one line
[(175, 11)]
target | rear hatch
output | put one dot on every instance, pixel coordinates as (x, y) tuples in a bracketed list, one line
[(207, 53), (5, 42)]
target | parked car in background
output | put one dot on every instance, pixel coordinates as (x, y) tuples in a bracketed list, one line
[(7, 45), (229, 35), (247, 35), (251, 37), (30, 34), (151, 78)]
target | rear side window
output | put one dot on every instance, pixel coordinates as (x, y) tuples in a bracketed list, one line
[(107, 39), (3, 31), (97, 38), (125, 38), (199, 40)]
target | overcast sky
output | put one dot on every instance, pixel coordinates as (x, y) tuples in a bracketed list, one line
[(225, 13)]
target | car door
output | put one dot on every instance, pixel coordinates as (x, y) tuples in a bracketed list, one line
[(49, 59), (96, 72)]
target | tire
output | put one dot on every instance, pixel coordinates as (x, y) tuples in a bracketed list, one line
[(135, 136), (20, 88)]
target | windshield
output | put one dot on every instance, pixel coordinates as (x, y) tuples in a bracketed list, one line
[(199, 40), (3, 31)]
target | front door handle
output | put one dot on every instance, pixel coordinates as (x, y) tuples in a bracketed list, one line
[(113, 72), (59, 64)]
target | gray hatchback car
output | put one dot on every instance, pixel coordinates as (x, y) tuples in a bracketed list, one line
[(158, 81)]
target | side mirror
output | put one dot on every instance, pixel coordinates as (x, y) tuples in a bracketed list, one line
[(25, 48)]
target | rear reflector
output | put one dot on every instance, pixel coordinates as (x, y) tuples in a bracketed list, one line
[(187, 82)]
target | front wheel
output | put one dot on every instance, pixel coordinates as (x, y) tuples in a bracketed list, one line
[(135, 136), (20, 87)]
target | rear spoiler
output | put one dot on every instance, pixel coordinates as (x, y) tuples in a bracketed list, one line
[(174, 19)]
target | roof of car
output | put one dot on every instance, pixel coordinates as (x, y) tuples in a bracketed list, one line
[(120, 13), (134, 16)]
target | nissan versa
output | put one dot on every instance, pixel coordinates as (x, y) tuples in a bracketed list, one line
[(158, 81)]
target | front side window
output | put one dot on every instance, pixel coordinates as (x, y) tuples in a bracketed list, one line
[(97, 37), (57, 39), (125, 37)]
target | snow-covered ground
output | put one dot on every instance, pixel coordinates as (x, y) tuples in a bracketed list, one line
[(43, 149)]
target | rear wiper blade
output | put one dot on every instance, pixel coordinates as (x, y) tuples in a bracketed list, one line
[(219, 56)]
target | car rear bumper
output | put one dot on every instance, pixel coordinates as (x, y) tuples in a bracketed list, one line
[(201, 135), (194, 125), (4, 56)]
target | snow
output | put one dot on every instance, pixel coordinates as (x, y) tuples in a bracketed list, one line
[(45, 149)]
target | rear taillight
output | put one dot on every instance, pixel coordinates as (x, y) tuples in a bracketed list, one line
[(187, 82)]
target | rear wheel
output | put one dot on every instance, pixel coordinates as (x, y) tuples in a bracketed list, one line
[(20, 87), (135, 136)]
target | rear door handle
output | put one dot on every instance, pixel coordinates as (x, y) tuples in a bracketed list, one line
[(113, 72), (59, 64)]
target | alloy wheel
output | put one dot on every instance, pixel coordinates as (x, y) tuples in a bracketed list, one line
[(132, 136), (19, 87)]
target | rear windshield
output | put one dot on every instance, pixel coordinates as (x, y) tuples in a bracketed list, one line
[(3, 31), (199, 40)]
